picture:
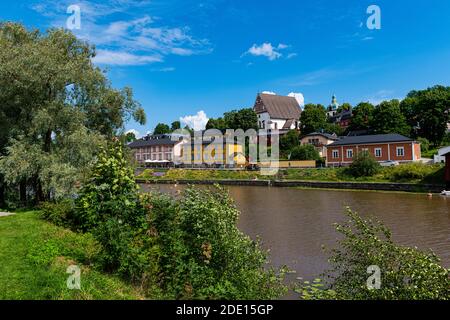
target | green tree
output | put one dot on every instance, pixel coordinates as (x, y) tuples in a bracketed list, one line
[(362, 116), (313, 118), (333, 128), (130, 137), (288, 141), (58, 107), (344, 107), (428, 112), (241, 119), (175, 126), (218, 124), (161, 128), (388, 118), (305, 152), (364, 165)]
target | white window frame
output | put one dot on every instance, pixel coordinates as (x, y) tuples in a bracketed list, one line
[(335, 154), (402, 153), (380, 152), (348, 153)]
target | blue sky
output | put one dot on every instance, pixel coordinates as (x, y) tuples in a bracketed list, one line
[(183, 56)]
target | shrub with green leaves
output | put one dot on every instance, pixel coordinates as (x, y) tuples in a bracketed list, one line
[(204, 255), (413, 171), (108, 206), (406, 273), (305, 152), (364, 165)]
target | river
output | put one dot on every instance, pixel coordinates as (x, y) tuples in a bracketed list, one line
[(295, 223)]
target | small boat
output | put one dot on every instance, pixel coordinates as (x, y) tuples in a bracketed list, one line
[(445, 193)]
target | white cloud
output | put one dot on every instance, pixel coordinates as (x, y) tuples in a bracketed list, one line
[(291, 55), (139, 39), (121, 58), (299, 97), (269, 92), (266, 50), (196, 122)]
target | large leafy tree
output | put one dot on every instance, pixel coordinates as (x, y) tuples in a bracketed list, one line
[(56, 108), (427, 112), (313, 118), (289, 141), (241, 119), (161, 128), (217, 123), (362, 116), (388, 118)]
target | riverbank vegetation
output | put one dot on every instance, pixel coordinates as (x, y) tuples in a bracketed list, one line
[(183, 248), (368, 265), (407, 173)]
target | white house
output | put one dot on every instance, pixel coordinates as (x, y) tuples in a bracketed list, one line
[(277, 112), (440, 157)]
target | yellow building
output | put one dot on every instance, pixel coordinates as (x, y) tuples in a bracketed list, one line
[(212, 154)]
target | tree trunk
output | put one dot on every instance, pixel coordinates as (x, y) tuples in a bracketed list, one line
[(23, 192), (2, 196), (48, 140)]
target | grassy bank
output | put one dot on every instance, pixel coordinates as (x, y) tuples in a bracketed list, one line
[(34, 257), (409, 173)]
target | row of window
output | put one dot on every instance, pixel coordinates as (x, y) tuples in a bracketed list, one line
[(156, 149), (378, 152), (167, 156)]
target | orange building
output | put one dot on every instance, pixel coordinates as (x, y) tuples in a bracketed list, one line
[(384, 147)]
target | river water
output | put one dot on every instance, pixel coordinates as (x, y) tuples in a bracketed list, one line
[(294, 224)]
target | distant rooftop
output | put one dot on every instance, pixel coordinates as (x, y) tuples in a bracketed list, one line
[(154, 140), (376, 138), (324, 134), (278, 107)]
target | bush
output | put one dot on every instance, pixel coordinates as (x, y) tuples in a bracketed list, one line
[(406, 273), (60, 213), (188, 248), (364, 165), (108, 206), (305, 152), (412, 171), (204, 255)]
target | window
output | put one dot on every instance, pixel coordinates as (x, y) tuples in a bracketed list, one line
[(276, 125), (349, 153), (335, 154), (400, 151), (263, 124), (378, 153)]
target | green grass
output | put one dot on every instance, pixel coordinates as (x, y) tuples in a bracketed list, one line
[(34, 256)]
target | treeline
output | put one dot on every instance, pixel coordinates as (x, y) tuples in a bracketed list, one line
[(422, 114), (56, 110)]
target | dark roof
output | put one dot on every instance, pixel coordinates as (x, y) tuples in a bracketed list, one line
[(324, 134), (153, 140), (278, 107), (344, 115), (377, 138)]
